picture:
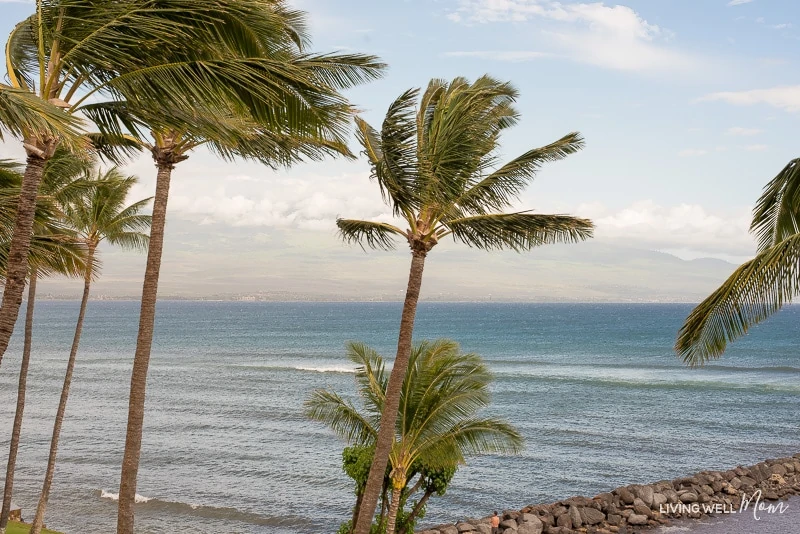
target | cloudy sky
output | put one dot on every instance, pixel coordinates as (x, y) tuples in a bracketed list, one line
[(688, 109)]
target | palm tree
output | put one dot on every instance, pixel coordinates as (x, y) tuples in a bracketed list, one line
[(54, 250), (442, 392), (759, 287), (100, 215), (292, 109), (436, 168), (68, 53)]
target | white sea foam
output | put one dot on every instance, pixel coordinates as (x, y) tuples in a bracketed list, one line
[(115, 496), (328, 369)]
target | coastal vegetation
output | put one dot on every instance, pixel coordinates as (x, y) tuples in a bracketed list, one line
[(100, 214), (435, 162), (55, 250), (439, 426), (759, 287)]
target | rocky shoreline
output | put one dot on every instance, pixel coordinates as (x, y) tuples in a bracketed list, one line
[(635, 508)]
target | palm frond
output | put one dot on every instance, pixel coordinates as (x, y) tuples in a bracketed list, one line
[(776, 216), (518, 231), (499, 189), (755, 290), (372, 234), (22, 113), (340, 416)]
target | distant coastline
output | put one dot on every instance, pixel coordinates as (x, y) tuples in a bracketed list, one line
[(282, 297)]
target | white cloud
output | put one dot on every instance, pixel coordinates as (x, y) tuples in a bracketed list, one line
[(738, 2), (614, 37), (513, 56), (738, 130), (785, 97), (782, 26), (310, 202), (692, 152), (685, 226), (756, 148)]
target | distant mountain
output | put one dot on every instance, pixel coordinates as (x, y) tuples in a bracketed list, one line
[(203, 261)]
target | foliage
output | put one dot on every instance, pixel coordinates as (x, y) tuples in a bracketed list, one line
[(437, 168), (439, 426), (759, 287)]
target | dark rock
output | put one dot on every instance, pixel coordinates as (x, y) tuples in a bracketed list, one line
[(688, 497), (564, 521), (625, 495), (592, 516), (614, 519), (509, 524), (465, 527), (636, 519), (575, 517), (533, 526)]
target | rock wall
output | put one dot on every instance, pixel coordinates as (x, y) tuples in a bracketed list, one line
[(639, 507)]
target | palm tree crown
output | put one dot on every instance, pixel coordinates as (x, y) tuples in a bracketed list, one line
[(759, 287), (437, 168), (438, 425)]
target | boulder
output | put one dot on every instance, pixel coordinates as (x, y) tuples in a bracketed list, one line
[(483, 528), (465, 527), (591, 516), (534, 526), (449, 529), (614, 519), (509, 524), (688, 497), (575, 516), (636, 519), (659, 499), (564, 521), (625, 495), (646, 494)]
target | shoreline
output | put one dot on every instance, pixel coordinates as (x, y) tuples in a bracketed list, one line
[(758, 490)]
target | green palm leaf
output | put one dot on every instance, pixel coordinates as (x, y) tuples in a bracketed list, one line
[(776, 216), (373, 234), (518, 231), (754, 291)]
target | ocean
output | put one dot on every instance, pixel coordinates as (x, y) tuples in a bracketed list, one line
[(595, 389)]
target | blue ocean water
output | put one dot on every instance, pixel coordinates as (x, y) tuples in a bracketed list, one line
[(595, 389)]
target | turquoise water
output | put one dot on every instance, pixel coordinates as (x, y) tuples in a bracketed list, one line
[(595, 389)]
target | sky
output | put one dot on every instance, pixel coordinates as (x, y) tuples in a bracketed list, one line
[(688, 108)]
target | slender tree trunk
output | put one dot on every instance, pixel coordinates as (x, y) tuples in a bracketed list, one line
[(141, 361), (413, 515), (355, 511), (38, 520), (386, 433), (17, 268), (393, 508), (15, 432)]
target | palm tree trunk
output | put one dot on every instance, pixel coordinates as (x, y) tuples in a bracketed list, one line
[(38, 520), (386, 432), (141, 361), (393, 508), (412, 516), (17, 268), (23, 380)]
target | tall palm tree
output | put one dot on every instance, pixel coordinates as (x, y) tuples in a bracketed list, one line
[(436, 167), (100, 215), (54, 250), (759, 287), (264, 98), (66, 55), (439, 426)]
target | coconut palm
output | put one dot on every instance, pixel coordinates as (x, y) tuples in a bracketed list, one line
[(101, 214), (278, 106), (759, 287), (54, 250), (436, 167), (442, 393), (61, 61)]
